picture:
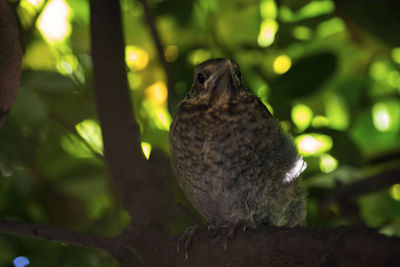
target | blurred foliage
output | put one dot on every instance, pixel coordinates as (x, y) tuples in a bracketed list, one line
[(329, 70)]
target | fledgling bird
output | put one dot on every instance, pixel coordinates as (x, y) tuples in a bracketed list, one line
[(232, 159)]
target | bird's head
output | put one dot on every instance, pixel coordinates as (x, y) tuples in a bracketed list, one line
[(216, 79)]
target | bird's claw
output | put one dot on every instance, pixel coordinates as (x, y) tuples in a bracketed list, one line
[(186, 240), (232, 231), (225, 233)]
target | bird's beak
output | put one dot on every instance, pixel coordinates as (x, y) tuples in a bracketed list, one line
[(225, 75)]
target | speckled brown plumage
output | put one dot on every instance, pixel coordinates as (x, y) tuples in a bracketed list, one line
[(230, 155)]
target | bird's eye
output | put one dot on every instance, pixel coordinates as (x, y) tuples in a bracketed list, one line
[(239, 74), (200, 77)]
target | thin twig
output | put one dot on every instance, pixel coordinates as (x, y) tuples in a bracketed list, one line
[(371, 184), (159, 47), (60, 235), (385, 158)]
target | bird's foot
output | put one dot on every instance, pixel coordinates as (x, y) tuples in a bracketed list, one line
[(186, 239), (232, 231), (226, 232)]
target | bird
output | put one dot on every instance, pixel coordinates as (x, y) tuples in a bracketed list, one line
[(231, 157)]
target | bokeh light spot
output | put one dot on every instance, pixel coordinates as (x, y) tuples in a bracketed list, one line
[(336, 111), (269, 26), (157, 92), (329, 27), (35, 2), (155, 105), (312, 9), (198, 56), (282, 64), (302, 33), (21, 261), (313, 144), (393, 79), (301, 116), (327, 163), (268, 29), (319, 121), (54, 21), (396, 54), (171, 53), (146, 148), (136, 58), (268, 9), (381, 117), (379, 70), (395, 191)]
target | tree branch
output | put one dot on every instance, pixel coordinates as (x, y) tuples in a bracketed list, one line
[(160, 50), (142, 194), (65, 236), (10, 60), (270, 246), (371, 184), (395, 155)]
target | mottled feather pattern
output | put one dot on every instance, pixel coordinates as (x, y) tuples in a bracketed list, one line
[(230, 157)]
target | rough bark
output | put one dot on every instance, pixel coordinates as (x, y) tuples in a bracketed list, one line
[(267, 246), (10, 60), (141, 191)]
